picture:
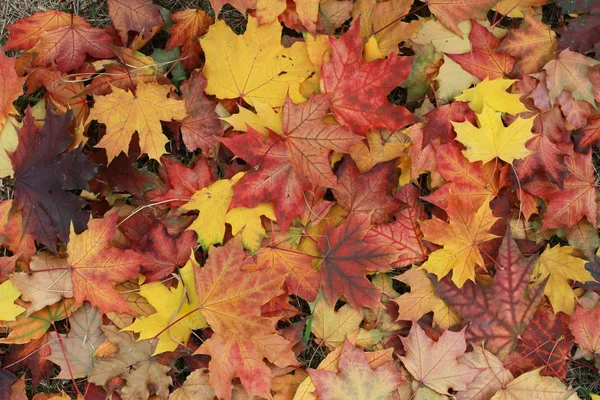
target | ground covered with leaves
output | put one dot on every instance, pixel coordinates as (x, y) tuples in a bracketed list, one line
[(300, 200)]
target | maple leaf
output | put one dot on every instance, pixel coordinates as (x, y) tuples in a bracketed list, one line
[(434, 364), (265, 119), (559, 266), (133, 363), (358, 90), (289, 165), (253, 66), (533, 384), (451, 13), (28, 328), (9, 139), (367, 193), (331, 363), (241, 5), (546, 343), (404, 233), (25, 33), (493, 139), (534, 44), (163, 252), (213, 202), (585, 328), (12, 88), (469, 181), (230, 300), (190, 25), (382, 146), (577, 35), (96, 266), (124, 113), (493, 94), (331, 327), (134, 15), (309, 140), (468, 227), (196, 386), (547, 158), (483, 60), (346, 259), (201, 127), (183, 180), (67, 45), (62, 96), (272, 178), (492, 375), (589, 135), (74, 352), (440, 120), (422, 299), (569, 72), (8, 295), (383, 21), (31, 355), (176, 312), (48, 282), (44, 173), (302, 278), (577, 198), (497, 314), (240, 355), (12, 232), (355, 378)]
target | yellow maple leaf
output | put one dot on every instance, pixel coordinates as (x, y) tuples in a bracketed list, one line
[(8, 309), (460, 239), (452, 79), (332, 327), (492, 139), (422, 299), (246, 222), (212, 202), (517, 8), (174, 320), (124, 113), (254, 66), (8, 143), (262, 120), (560, 267), (383, 146), (494, 94)]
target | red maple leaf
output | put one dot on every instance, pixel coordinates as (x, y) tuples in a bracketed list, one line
[(483, 60), (189, 26), (202, 126), (576, 200), (439, 124), (67, 45), (404, 233), (358, 90), (367, 193), (44, 175), (271, 179), (347, 258), (500, 313), (546, 343), (285, 166), (163, 252)]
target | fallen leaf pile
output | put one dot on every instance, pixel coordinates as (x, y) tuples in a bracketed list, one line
[(335, 199)]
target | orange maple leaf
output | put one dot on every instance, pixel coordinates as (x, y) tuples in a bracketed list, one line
[(97, 266)]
